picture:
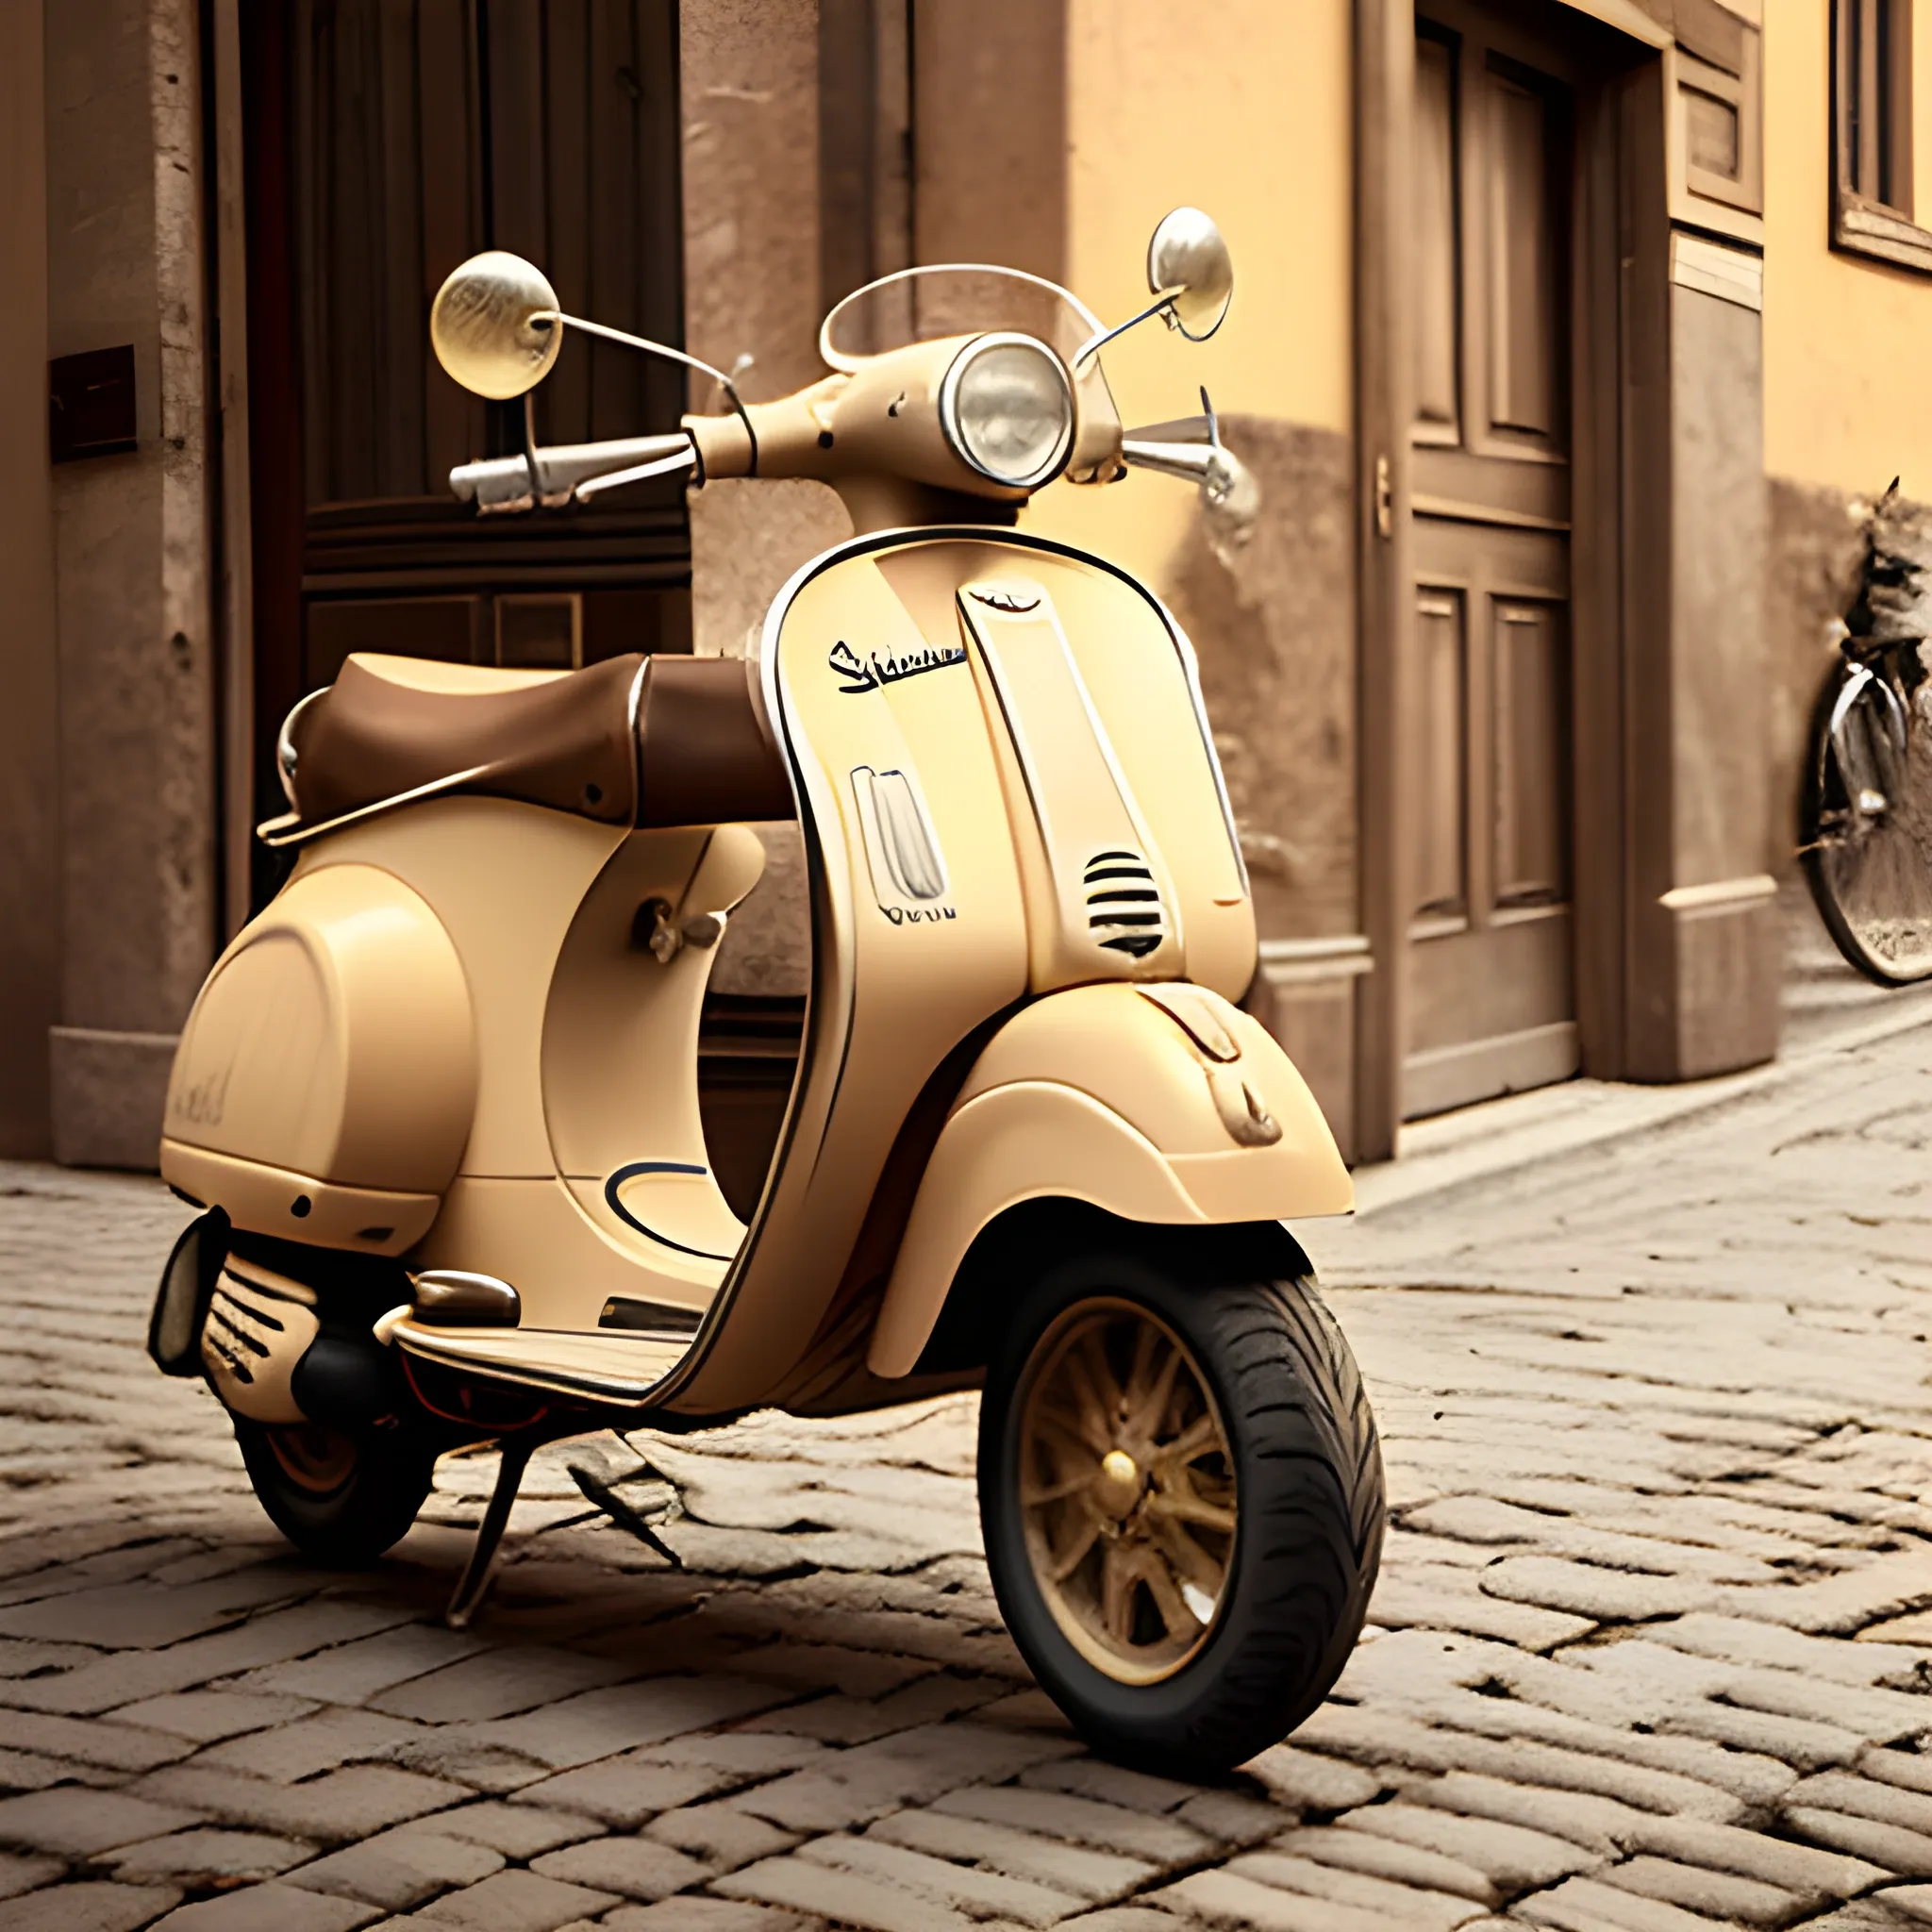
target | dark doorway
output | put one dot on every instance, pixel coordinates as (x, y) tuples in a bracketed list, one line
[(385, 141)]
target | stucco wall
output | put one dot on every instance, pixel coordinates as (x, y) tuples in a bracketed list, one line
[(1847, 400), (1847, 403), (1245, 114), (136, 742), (748, 72)]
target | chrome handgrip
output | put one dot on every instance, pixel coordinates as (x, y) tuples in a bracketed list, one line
[(502, 484), (1202, 429)]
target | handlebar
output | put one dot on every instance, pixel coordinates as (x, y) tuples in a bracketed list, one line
[(877, 436), (567, 470)]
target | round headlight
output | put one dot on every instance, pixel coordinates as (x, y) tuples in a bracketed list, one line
[(1007, 410)]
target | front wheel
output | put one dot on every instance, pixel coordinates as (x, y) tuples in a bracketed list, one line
[(341, 1499), (1181, 1492)]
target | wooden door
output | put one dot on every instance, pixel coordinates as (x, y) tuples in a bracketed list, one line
[(1492, 1004), (386, 140)]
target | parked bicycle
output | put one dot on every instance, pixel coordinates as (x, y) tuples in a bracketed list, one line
[(1865, 832)]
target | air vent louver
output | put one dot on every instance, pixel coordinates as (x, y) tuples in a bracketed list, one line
[(1123, 907)]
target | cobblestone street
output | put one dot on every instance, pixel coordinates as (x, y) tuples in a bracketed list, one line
[(1652, 1647)]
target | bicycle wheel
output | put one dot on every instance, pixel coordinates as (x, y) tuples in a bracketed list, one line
[(1865, 832)]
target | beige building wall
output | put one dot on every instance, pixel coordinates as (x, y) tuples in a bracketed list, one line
[(1245, 109), (136, 646), (1848, 377), (1245, 114), (1847, 340), (748, 73)]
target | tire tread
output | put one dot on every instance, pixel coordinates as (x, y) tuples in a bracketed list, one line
[(1309, 1471)]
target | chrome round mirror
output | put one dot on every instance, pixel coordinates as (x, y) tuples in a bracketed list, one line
[(494, 326), (1188, 256)]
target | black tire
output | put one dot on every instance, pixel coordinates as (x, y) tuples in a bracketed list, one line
[(1307, 1501), (1871, 879), (341, 1499)]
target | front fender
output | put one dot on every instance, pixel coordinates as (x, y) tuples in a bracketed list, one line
[(1156, 1105)]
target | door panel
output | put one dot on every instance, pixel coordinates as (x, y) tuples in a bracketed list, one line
[(1491, 1005), (1523, 238), (1441, 780), (1532, 708), (451, 205), (1491, 982), (1437, 385)]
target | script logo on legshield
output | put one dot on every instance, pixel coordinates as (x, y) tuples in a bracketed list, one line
[(880, 669)]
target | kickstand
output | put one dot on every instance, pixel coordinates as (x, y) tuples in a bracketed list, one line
[(513, 1460)]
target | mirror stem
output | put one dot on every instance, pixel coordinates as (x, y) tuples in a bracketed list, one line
[(1093, 345), (529, 419), (651, 348)]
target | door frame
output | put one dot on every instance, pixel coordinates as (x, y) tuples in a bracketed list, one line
[(1620, 525)]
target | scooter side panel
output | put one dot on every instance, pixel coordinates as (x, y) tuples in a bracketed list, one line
[(620, 1047), (630, 1211), (333, 1040), (270, 1200), (505, 880), (1099, 1095)]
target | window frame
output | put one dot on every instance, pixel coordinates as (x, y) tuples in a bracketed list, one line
[(1862, 223)]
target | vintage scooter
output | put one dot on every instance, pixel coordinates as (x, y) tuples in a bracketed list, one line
[(439, 1101)]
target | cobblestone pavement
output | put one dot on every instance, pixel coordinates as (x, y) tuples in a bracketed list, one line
[(1652, 1649)]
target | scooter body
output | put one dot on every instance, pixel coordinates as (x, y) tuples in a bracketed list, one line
[(450, 1037), (440, 1100)]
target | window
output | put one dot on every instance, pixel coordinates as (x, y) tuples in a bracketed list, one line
[(1872, 134)]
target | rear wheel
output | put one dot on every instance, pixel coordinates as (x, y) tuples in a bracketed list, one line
[(1181, 1492), (1865, 831), (340, 1498)]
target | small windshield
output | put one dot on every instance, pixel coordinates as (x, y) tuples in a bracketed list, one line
[(953, 299)]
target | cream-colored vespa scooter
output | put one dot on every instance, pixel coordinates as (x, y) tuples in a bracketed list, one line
[(439, 1101)]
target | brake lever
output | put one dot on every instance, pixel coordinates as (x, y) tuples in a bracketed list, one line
[(615, 480), (1206, 427), (1229, 489)]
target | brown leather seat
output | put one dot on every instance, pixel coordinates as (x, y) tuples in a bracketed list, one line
[(389, 725)]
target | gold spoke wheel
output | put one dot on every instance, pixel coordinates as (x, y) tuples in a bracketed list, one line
[(1126, 1490)]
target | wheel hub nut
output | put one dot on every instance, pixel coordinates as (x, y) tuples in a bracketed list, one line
[(1119, 1481)]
